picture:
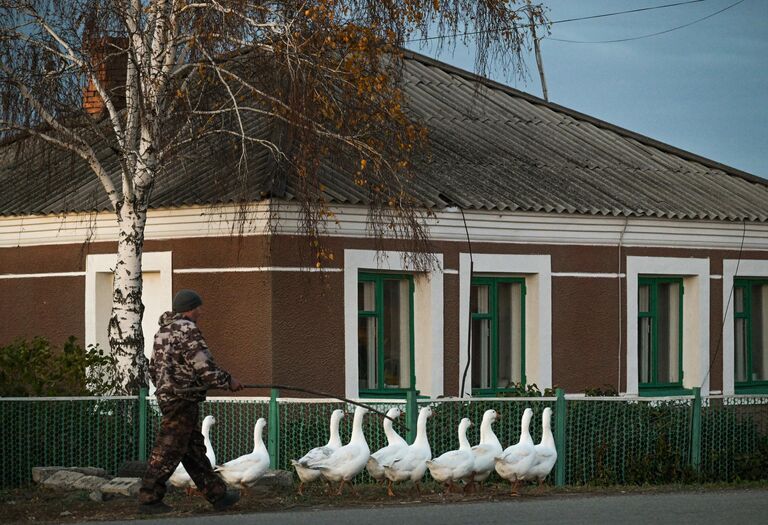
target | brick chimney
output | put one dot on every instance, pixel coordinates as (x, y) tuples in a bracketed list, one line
[(109, 65)]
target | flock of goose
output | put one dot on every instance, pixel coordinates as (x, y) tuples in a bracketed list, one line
[(397, 461), (241, 472)]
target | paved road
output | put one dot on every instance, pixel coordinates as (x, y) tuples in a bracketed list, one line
[(731, 507)]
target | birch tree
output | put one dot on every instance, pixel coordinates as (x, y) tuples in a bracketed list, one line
[(327, 71)]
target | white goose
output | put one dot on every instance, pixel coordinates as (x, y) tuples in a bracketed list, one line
[(395, 444), (180, 477), (454, 465), (487, 450), (411, 463), (308, 475), (546, 452), (244, 471), (515, 462), (348, 461)]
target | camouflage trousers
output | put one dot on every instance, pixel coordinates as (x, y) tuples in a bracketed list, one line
[(179, 440)]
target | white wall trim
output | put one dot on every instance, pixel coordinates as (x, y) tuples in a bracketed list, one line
[(537, 270), (256, 269), (39, 275), (695, 274), (104, 264), (746, 268), (428, 318), (483, 226)]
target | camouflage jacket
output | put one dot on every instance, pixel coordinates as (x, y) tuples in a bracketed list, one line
[(181, 359)]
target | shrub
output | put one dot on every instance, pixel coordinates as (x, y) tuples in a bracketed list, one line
[(36, 368)]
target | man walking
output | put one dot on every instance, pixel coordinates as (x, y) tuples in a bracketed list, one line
[(181, 359)]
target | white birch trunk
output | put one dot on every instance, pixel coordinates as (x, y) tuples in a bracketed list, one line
[(126, 338)]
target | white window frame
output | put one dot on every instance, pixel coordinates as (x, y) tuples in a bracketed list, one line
[(537, 271), (427, 317), (747, 268), (695, 275), (104, 264)]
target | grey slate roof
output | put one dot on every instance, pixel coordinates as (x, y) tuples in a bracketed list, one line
[(491, 147)]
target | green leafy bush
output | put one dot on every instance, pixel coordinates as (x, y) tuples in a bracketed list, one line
[(531, 390), (601, 391), (36, 368)]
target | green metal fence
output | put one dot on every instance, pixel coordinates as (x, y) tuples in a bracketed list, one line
[(600, 440)]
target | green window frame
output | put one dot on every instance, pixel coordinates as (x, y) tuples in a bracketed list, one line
[(378, 370), (750, 330), (488, 319), (656, 367)]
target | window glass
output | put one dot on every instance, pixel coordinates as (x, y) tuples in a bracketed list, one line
[(366, 296), (759, 331), (643, 298), (396, 345), (497, 351), (480, 299), (659, 332), (481, 353), (510, 334), (366, 352), (750, 323), (644, 349), (668, 320), (385, 348)]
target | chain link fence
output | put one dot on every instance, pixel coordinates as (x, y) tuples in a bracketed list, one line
[(600, 440)]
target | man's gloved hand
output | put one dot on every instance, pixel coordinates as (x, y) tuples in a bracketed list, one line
[(235, 385)]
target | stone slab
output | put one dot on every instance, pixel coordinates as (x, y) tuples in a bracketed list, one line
[(89, 483), (122, 486), (275, 478), (40, 474), (62, 480), (99, 496)]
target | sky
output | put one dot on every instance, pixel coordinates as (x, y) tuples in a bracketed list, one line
[(701, 88)]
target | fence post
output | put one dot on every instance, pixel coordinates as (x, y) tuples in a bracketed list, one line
[(412, 415), (696, 431), (560, 420), (143, 393), (274, 429)]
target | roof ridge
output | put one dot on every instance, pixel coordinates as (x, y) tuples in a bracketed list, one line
[(493, 84)]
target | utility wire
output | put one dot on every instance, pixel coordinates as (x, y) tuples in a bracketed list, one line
[(648, 35), (639, 9), (591, 17)]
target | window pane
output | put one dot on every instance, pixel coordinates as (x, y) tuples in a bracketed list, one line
[(644, 349), (668, 349), (366, 352), (396, 346), (481, 353), (366, 296), (738, 300), (759, 335), (510, 334), (479, 299), (644, 298), (740, 352)]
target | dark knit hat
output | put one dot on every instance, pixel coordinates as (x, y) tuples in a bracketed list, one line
[(186, 300)]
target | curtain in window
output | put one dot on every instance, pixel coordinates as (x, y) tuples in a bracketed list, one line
[(669, 333), (481, 337), (366, 336), (759, 332), (644, 334), (510, 334), (397, 369)]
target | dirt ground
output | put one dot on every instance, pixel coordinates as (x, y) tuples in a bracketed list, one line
[(36, 505)]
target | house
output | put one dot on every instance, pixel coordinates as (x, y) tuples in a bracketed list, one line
[(580, 253)]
